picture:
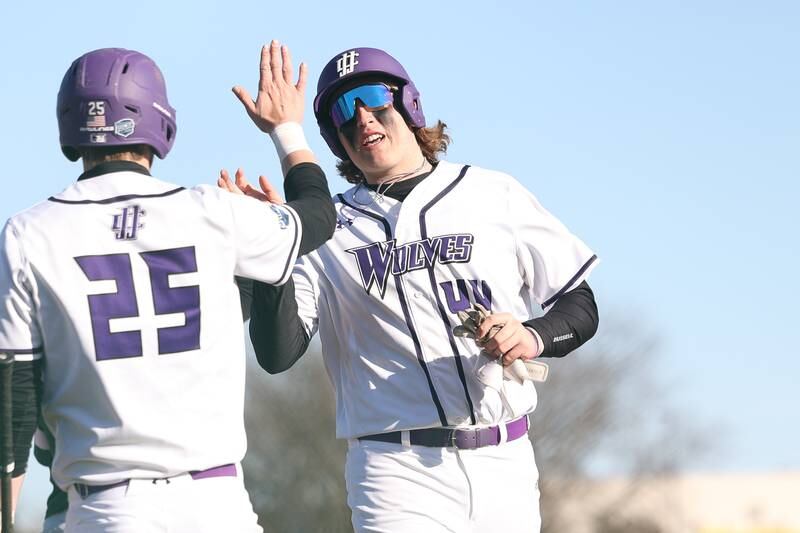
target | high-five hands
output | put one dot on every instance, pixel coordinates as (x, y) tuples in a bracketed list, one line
[(278, 99), (268, 193)]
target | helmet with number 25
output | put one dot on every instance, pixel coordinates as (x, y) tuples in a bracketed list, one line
[(114, 97)]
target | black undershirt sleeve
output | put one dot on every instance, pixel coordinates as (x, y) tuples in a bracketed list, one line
[(278, 335), (245, 295), (307, 193), (25, 397), (570, 322)]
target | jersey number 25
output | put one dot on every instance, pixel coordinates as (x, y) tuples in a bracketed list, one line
[(124, 304)]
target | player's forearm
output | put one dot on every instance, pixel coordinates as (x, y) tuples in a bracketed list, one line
[(25, 409), (295, 158), (276, 330), (571, 321), (308, 194)]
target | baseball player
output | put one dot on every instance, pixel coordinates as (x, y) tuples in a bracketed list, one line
[(436, 428), (120, 291), (55, 516)]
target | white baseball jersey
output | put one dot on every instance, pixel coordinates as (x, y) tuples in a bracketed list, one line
[(124, 284), (385, 291)]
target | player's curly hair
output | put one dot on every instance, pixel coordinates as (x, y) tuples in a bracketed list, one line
[(432, 140)]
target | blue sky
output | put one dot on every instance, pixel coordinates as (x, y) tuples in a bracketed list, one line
[(665, 134)]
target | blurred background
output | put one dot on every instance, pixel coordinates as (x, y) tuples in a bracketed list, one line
[(664, 134)]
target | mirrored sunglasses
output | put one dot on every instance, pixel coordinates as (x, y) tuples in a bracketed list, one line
[(373, 97)]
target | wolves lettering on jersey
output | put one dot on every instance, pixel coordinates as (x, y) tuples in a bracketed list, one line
[(374, 259)]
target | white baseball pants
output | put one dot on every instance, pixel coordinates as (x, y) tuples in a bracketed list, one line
[(184, 505), (394, 488)]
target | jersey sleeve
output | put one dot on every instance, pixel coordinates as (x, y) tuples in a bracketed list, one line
[(19, 331), (551, 259), (267, 239)]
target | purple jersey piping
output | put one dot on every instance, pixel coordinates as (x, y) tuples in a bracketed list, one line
[(571, 282), (423, 228), (123, 198), (404, 305)]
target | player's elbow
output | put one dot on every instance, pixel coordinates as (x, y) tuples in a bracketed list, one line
[(276, 354), (592, 322), (273, 363), (267, 364)]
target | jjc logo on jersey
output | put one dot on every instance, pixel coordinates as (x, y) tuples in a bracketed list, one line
[(127, 223), (377, 259), (347, 63)]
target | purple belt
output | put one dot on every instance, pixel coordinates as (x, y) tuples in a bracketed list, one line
[(216, 471), (461, 438)]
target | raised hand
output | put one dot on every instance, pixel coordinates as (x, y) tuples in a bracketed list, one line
[(278, 100), (268, 193)]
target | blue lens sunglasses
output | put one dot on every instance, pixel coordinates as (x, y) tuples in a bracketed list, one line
[(373, 97)]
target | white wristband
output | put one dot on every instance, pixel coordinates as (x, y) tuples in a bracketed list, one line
[(288, 137), (538, 339)]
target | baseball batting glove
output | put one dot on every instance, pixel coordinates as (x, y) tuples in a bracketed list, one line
[(520, 369)]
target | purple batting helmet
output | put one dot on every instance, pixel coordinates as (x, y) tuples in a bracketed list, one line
[(359, 63), (114, 97)]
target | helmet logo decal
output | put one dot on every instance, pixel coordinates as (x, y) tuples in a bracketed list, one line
[(347, 63), (124, 127)]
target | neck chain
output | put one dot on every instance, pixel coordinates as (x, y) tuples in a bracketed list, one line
[(380, 195)]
